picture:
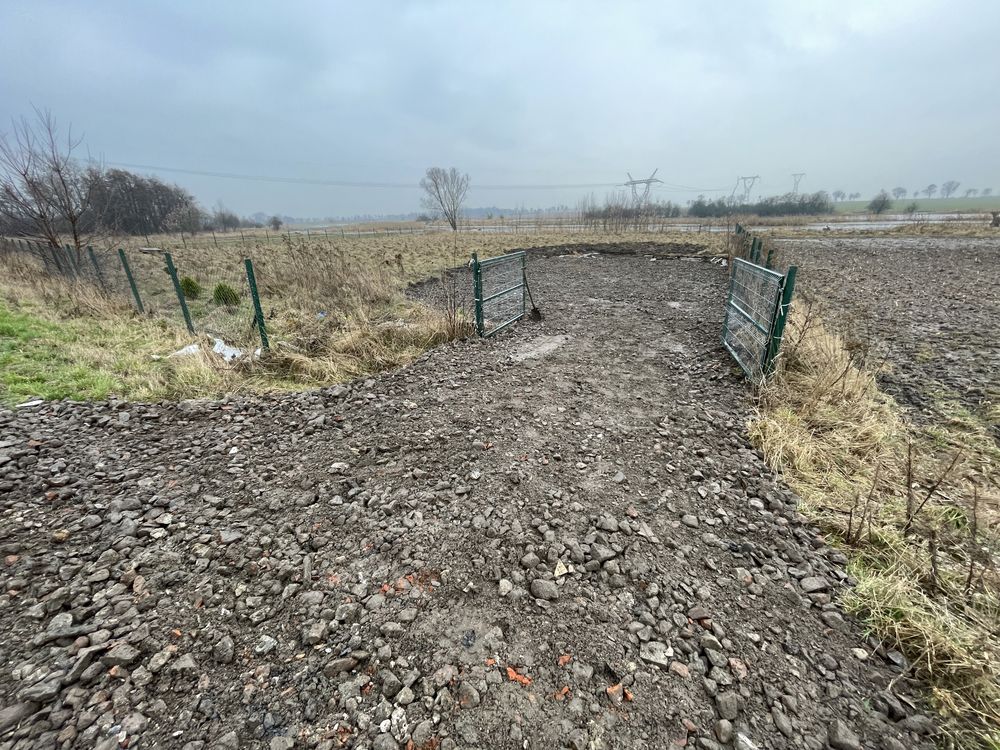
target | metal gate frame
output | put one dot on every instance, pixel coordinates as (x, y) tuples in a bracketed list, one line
[(769, 321), (478, 266)]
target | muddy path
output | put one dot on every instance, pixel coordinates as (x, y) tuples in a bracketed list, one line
[(928, 307), (558, 538)]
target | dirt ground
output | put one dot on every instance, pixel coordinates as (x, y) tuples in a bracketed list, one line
[(558, 538), (929, 306)]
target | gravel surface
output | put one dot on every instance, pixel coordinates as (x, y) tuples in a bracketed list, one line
[(931, 306), (559, 538)]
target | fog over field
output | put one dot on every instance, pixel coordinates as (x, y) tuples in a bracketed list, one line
[(857, 95)]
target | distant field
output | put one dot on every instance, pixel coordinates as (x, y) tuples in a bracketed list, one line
[(929, 205)]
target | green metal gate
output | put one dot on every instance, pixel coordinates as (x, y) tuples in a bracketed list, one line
[(499, 287), (756, 311)]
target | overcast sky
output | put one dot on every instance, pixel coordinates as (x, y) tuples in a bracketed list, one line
[(858, 95)]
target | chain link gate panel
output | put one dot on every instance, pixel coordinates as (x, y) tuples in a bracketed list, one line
[(756, 310), (499, 287)]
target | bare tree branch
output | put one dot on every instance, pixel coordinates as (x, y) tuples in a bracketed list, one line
[(444, 193)]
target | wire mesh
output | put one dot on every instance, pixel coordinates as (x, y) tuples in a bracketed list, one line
[(754, 296), (502, 299), (212, 286)]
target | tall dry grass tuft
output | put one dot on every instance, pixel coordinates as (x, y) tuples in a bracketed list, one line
[(315, 350), (920, 524)]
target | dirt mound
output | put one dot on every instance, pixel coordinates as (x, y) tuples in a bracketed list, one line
[(559, 538)]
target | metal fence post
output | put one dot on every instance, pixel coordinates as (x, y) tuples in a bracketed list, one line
[(258, 312), (780, 318), (477, 293), (97, 268), (524, 284), (172, 270), (71, 261), (131, 280)]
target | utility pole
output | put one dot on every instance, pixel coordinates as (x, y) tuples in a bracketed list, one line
[(647, 183), (797, 176)]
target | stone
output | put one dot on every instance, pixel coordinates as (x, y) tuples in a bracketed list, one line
[(185, 665), (224, 651), (120, 655), (728, 704), (814, 584), (601, 553), (841, 737), (542, 589), (724, 731), (656, 652), (689, 520), (265, 645), (466, 695), (13, 715)]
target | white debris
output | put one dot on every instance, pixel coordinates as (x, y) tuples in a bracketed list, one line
[(220, 347)]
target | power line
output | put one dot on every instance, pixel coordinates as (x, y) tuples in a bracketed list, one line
[(350, 183)]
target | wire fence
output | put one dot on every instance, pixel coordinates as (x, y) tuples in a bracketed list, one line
[(205, 293), (757, 306), (499, 288)]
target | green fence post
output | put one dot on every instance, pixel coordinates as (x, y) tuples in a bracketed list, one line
[(71, 261), (524, 284), (55, 259), (172, 270), (258, 312), (477, 293), (780, 318), (770, 255), (97, 268), (131, 280)]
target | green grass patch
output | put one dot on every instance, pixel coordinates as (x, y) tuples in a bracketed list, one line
[(36, 360), (928, 205)]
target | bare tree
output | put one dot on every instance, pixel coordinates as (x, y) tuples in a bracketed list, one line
[(971, 193), (948, 188), (44, 192), (839, 195), (930, 190), (898, 193), (444, 193), (987, 192), (275, 222)]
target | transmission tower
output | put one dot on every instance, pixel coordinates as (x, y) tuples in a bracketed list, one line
[(641, 200), (797, 176), (747, 183)]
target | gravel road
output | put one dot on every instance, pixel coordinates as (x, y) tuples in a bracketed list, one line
[(559, 538)]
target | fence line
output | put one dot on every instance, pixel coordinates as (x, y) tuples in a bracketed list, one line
[(757, 305)]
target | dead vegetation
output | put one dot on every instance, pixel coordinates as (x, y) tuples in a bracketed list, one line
[(335, 308), (918, 516)]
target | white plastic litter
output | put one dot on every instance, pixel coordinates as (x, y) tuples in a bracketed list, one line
[(220, 347)]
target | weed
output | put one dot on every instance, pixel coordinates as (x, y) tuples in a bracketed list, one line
[(190, 288), (921, 541), (225, 296)]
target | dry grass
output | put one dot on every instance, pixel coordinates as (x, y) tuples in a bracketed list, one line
[(335, 309), (917, 514)]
